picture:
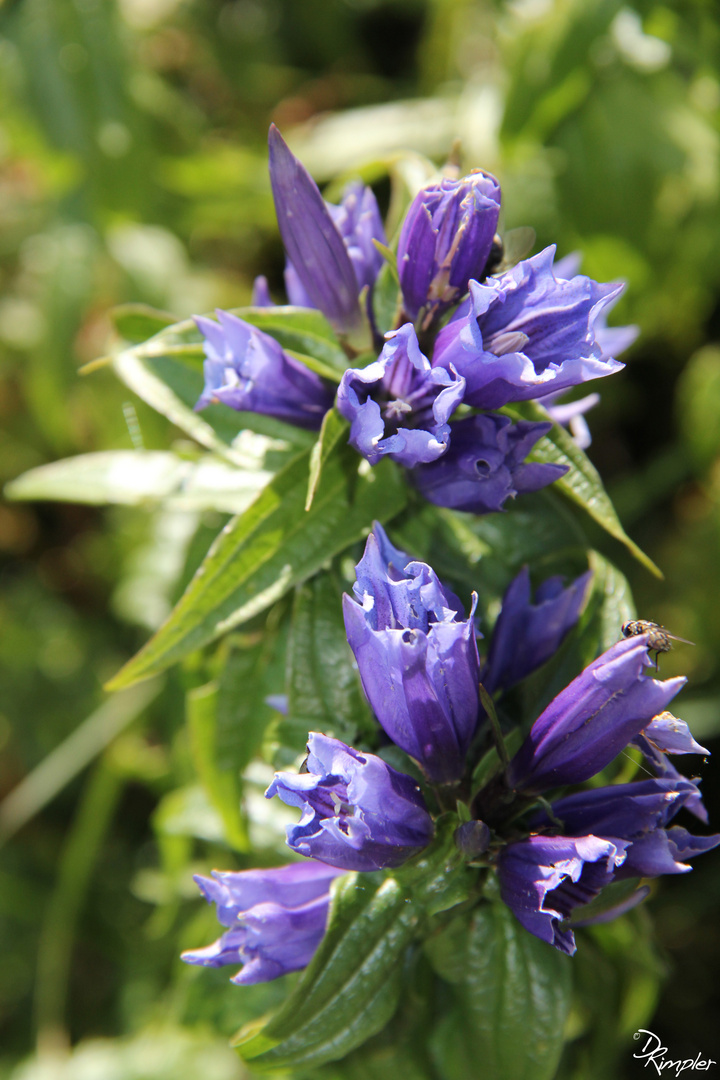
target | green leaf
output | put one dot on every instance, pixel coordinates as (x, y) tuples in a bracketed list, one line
[(582, 483), (510, 1009), (144, 478), (222, 784), (324, 692), (138, 322), (274, 545), (334, 427), (386, 298), (352, 986)]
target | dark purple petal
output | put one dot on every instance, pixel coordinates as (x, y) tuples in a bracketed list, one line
[(544, 877), (525, 334), (398, 405), (664, 851), (483, 466), (357, 812), (445, 240), (248, 370), (592, 719), (624, 810), (276, 919), (312, 241), (527, 634)]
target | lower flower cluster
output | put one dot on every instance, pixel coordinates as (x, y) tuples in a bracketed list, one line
[(553, 850)]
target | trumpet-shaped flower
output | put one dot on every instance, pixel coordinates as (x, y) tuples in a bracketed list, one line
[(417, 657), (399, 405), (275, 919), (526, 333), (357, 812)]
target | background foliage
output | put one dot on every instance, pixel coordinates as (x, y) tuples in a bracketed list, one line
[(133, 169)]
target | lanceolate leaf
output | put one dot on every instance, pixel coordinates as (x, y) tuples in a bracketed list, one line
[(144, 478), (510, 1009), (582, 483), (324, 692), (221, 783), (334, 427), (352, 986), (274, 545)]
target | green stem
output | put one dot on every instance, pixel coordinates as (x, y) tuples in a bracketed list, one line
[(489, 707)]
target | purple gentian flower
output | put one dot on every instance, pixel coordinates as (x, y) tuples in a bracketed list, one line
[(399, 405), (357, 812), (275, 919), (664, 768), (543, 878), (485, 465), (445, 240), (330, 248), (592, 719), (638, 812), (417, 657), (527, 634), (524, 334), (248, 370)]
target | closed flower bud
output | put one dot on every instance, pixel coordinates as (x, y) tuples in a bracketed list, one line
[(592, 719), (445, 240)]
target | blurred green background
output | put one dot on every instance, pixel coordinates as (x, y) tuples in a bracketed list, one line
[(133, 168)]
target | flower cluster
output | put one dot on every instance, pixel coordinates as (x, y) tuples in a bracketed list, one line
[(464, 339), (553, 853)]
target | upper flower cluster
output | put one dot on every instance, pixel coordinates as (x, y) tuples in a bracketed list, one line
[(530, 332)]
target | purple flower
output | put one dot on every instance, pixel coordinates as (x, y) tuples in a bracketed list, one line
[(664, 768), (672, 736), (525, 333), (275, 919), (248, 370), (638, 812), (417, 657), (358, 221), (357, 812), (527, 634), (330, 248), (398, 405), (445, 240), (484, 465), (592, 719), (543, 878)]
